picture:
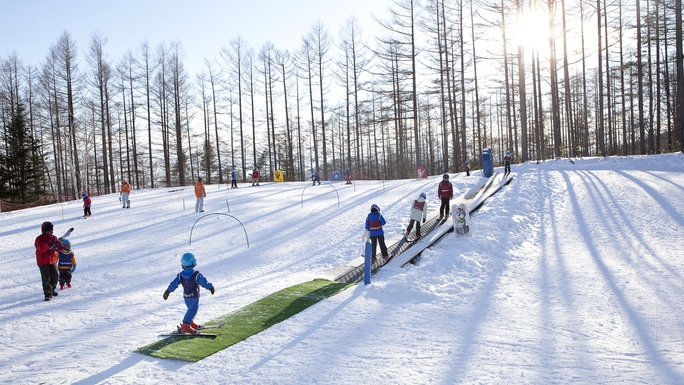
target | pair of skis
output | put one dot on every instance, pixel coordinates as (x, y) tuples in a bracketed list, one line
[(178, 333), (61, 239)]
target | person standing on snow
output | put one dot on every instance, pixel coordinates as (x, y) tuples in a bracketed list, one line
[(347, 176), (191, 280), (200, 193), (233, 179), (445, 191), (255, 177), (467, 167), (418, 211), (315, 178), (47, 246), (374, 223), (66, 264), (124, 194), (507, 163), (86, 205)]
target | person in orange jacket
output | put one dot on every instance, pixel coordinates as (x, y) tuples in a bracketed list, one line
[(200, 193), (125, 193)]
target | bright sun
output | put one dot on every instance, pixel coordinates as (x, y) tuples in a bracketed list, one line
[(532, 30)]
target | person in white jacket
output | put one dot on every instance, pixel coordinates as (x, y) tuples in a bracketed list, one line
[(418, 211)]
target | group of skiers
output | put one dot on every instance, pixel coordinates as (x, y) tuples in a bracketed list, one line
[(418, 215)]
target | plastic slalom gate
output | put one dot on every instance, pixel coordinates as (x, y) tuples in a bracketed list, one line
[(487, 164), (367, 264)]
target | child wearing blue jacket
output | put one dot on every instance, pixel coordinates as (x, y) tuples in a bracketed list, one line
[(191, 281), (374, 223)]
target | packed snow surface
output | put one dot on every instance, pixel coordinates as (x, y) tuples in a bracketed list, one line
[(574, 273)]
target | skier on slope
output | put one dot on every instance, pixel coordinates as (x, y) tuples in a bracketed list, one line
[(445, 191), (255, 177), (418, 211), (66, 264), (86, 205), (507, 162), (315, 178), (233, 179), (374, 223), (191, 280), (125, 193), (200, 194)]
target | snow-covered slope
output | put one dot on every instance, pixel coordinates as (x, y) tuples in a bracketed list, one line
[(574, 274)]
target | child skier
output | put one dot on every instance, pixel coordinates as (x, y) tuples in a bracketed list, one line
[(374, 223), (86, 205), (191, 281), (418, 211), (315, 179), (66, 264)]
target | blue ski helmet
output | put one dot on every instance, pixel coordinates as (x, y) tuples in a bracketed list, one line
[(66, 245), (188, 261), (422, 195)]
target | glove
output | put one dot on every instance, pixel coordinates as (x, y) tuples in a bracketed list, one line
[(73, 268), (166, 294), (423, 220), (212, 290), (205, 195), (55, 245), (366, 235)]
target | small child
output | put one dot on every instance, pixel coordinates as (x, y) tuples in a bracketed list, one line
[(191, 281), (418, 211), (66, 264), (374, 223), (86, 205)]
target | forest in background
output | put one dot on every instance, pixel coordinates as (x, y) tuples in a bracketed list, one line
[(443, 80)]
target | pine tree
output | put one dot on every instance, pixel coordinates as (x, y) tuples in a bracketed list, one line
[(22, 178)]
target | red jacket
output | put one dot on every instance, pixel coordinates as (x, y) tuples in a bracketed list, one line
[(43, 254), (255, 174), (445, 189)]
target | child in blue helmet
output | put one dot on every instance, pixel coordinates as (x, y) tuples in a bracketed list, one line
[(191, 281), (66, 264)]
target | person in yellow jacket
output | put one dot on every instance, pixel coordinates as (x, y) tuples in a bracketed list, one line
[(125, 193), (200, 193)]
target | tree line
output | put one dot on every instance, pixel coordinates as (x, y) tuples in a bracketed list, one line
[(440, 81)]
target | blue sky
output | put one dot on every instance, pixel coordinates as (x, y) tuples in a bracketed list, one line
[(29, 27)]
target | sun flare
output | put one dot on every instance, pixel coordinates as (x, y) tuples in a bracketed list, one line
[(532, 29)]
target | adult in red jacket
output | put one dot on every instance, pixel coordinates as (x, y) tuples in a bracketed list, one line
[(47, 246), (445, 191)]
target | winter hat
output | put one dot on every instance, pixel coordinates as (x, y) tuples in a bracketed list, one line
[(375, 208), (46, 227), (445, 177)]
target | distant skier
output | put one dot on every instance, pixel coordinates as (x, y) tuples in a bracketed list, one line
[(507, 163), (233, 179), (47, 246), (315, 178), (86, 205), (418, 211), (200, 194), (347, 176), (445, 191), (125, 193), (191, 281), (374, 223), (467, 167), (255, 177), (66, 264)]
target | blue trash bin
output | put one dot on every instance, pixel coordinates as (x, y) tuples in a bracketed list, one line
[(487, 164)]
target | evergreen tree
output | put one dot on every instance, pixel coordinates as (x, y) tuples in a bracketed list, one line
[(21, 168)]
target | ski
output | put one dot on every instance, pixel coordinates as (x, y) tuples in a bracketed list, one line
[(60, 239), (202, 327), (179, 334)]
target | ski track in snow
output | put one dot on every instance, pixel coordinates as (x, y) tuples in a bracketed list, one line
[(573, 274)]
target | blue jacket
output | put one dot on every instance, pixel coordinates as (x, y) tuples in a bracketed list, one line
[(191, 281), (374, 223)]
